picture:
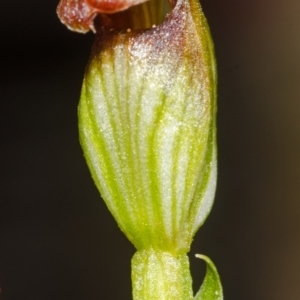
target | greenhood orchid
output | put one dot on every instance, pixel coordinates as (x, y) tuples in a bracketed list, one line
[(147, 129)]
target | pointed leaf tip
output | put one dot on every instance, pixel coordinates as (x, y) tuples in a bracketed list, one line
[(211, 288)]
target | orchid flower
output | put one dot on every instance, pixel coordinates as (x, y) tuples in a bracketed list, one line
[(147, 129)]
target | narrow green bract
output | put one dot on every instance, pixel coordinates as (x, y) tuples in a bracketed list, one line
[(211, 288)]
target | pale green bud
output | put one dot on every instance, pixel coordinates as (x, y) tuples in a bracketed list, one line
[(147, 127)]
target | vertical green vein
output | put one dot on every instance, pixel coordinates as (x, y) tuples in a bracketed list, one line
[(120, 199), (144, 202), (93, 142), (122, 130), (178, 145), (154, 167)]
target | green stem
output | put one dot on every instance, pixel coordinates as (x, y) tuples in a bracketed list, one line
[(158, 275)]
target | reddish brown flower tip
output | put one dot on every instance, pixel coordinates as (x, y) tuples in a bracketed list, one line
[(78, 15)]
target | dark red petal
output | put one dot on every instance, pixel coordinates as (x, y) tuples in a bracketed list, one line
[(77, 15)]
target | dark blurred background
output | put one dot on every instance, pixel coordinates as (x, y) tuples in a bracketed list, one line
[(58, 240)]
